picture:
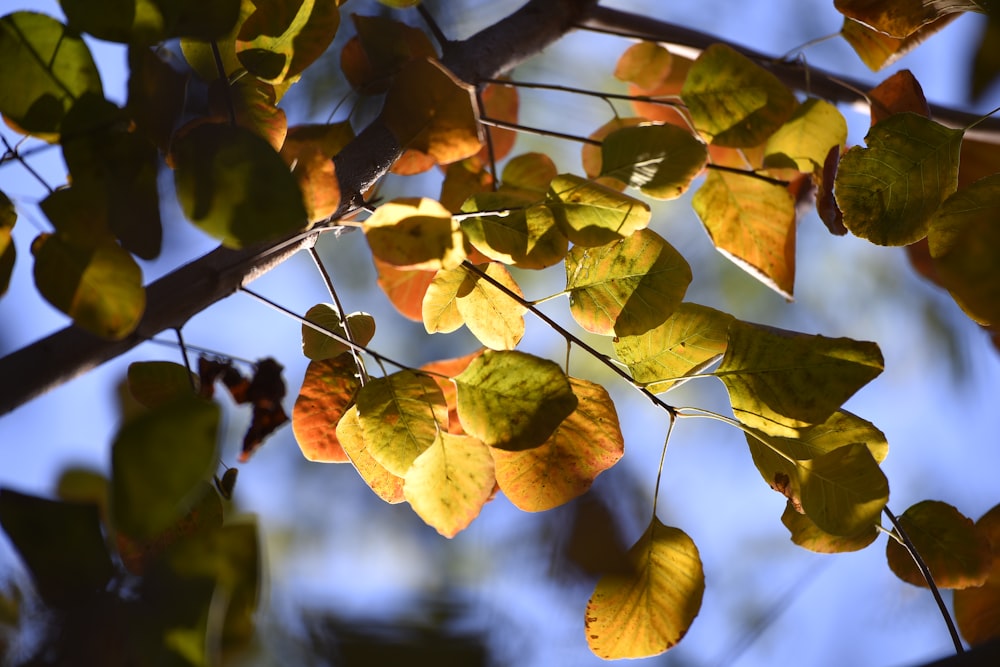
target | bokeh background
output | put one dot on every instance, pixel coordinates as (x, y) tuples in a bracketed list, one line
[(342, 567)]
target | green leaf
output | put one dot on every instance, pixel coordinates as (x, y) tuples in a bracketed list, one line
[(626, 287), (591, 214), (585, 444), (158, 459), (752, 222), (660, 160), (449, 482), (512, 233), (156, 383), (316, 345), (328, 390), (8, 216), (954, 549), (889, 191), (648, 611), (689, 341), (964, 240), (977, 610), (733, 101), (99, 286), (400, 415), (806, 534), (780, 381), (512, 400), (44, 68), (147, 22), (281, 38), (807, 137), (415, 234), (843, 491), (61, 544), (383, 483), (235, 187)]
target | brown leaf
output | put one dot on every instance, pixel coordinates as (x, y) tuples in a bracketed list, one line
[(900, 92)]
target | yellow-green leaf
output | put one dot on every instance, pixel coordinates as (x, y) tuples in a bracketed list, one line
[(732, 100), (900, 18), (528, 175), (585, 444), (439, 308), (281, 38), (964, 240), (155, 383), (234, 186), (752, 222), (430, 110), (400, 416), (627, 287), (591, 214), (44, 68), (513, 400), (8, 216), (660, 160), (690, 340), (806, 534), (648, 611), (977, 610), (98, 285), (449, 483), (780, 381), (954, 549), (317, 345), (513, 233), (804, 141), (491, 315), (843, 491), (889, 191), (383, 483), (327, 391), (415, 234)]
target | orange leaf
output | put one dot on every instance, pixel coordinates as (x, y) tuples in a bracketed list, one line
[(900, 92), (450, 368), (327, 391), (404, 287)]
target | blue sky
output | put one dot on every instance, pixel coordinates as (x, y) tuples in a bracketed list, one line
[(331, 544)]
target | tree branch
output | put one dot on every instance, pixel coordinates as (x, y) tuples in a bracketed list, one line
[(192, 288)]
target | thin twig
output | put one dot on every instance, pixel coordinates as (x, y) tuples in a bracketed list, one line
[(433, 26), (31, 170), (490, 151), (224, 79), (341, 315), (926, 573), (590, 93), (184, 356)]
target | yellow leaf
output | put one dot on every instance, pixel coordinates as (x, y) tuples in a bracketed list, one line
[(415, 234), (449, 482), (585, 444), (492, 316), (328, 389), (806, 139), (439, 309), (648, 611), (806, 534), (386, 486), (877, 49), (901, 18)]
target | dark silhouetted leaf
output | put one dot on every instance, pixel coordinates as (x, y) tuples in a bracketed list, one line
[(281, 38), (8, 216), (977, 610), (156, 383), (659, 160)]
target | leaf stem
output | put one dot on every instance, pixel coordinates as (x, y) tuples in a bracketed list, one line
[(358, 361), (31, 170), (184, 355), (663, 456), (490, 150), (980, 119), (926, 573), (433, 26), (224, 78), (666, 100), (735, 423)]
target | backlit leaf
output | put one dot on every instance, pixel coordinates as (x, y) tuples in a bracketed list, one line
[(449, 482), (900, 18), (316, 345), (877, 49), (501, 103), (309, 149), (400, 416), (732, 100), (428, 109), (955, 550), (492, 316), (807, 137), (964, 240), (281, 38), (844, 490), (386, 486), (404, 287), (8, 216), (627, 287), (157, 461), (585, 444), (415, 234), (44, 68), (450, 368), (254, 105), (660, 160), (381, 47), (514, 232), (752, 222), (649, 611), (646, 64), (591, 214), (60, 543), (235, 187), (99, 285), (440, 304), (889, 191), (512, 400), (156, 383), (327, 391), (590, 154), (807, 535), (690, 340), (977, 610), (900, 92), (779, 380)]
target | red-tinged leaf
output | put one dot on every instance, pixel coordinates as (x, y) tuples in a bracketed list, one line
[(462, 180), (255, 105), (752, 222), (585, 444), (381, 47), (499, 102), (900, 18), (413, 162), (955, 550), (826, 203), (281, 38), (8, 216), (328, 390), (977, 610), (383, 483), (405, 288), (450, 368), (900, 92), (646, 64), (878, 50), (449, 482), (649, 610), (210, 370)]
